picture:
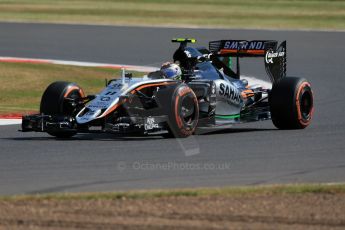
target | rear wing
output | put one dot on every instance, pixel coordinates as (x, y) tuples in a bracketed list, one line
[(274, 55)]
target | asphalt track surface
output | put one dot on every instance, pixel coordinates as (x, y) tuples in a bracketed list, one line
[(249, 154)]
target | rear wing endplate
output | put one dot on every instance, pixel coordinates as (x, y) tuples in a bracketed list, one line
[(274, 55)]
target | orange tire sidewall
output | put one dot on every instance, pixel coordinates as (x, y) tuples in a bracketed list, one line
[(183, 91), (301, 120), (71, 89)]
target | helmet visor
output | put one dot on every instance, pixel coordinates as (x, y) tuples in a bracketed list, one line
[(169, 73)]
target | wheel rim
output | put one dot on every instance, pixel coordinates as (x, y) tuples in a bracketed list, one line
[(67, 108), (188, 110), (306, 104)]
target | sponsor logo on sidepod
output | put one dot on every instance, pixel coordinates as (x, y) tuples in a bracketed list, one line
[(229, 93)]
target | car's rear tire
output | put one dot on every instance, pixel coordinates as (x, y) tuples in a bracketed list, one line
[(53, 103), (183, 113), (291, 103)]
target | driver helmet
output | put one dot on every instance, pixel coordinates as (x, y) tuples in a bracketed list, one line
[(171, 70)]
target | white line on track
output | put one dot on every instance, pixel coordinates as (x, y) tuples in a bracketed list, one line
[(10, 121), (78, 63)]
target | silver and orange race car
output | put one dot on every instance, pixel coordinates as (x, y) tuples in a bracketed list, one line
[(208, 93)]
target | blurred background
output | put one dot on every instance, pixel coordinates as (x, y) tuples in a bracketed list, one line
[(298, 14)]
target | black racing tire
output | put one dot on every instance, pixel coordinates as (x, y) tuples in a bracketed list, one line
[(291, 103), (53, 103), (183, 113)]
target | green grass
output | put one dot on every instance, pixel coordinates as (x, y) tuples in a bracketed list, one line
[(228, 191), (300, 14), (22, 84)]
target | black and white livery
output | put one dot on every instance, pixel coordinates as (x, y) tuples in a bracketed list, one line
[(206, 93)]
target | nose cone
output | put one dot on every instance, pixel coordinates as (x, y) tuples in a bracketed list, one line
[(87, 116)]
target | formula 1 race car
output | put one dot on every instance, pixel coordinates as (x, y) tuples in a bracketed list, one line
[(206, 93)]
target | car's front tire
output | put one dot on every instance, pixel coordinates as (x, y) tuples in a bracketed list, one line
[(53, 102), (183, 113), (291, 103)]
